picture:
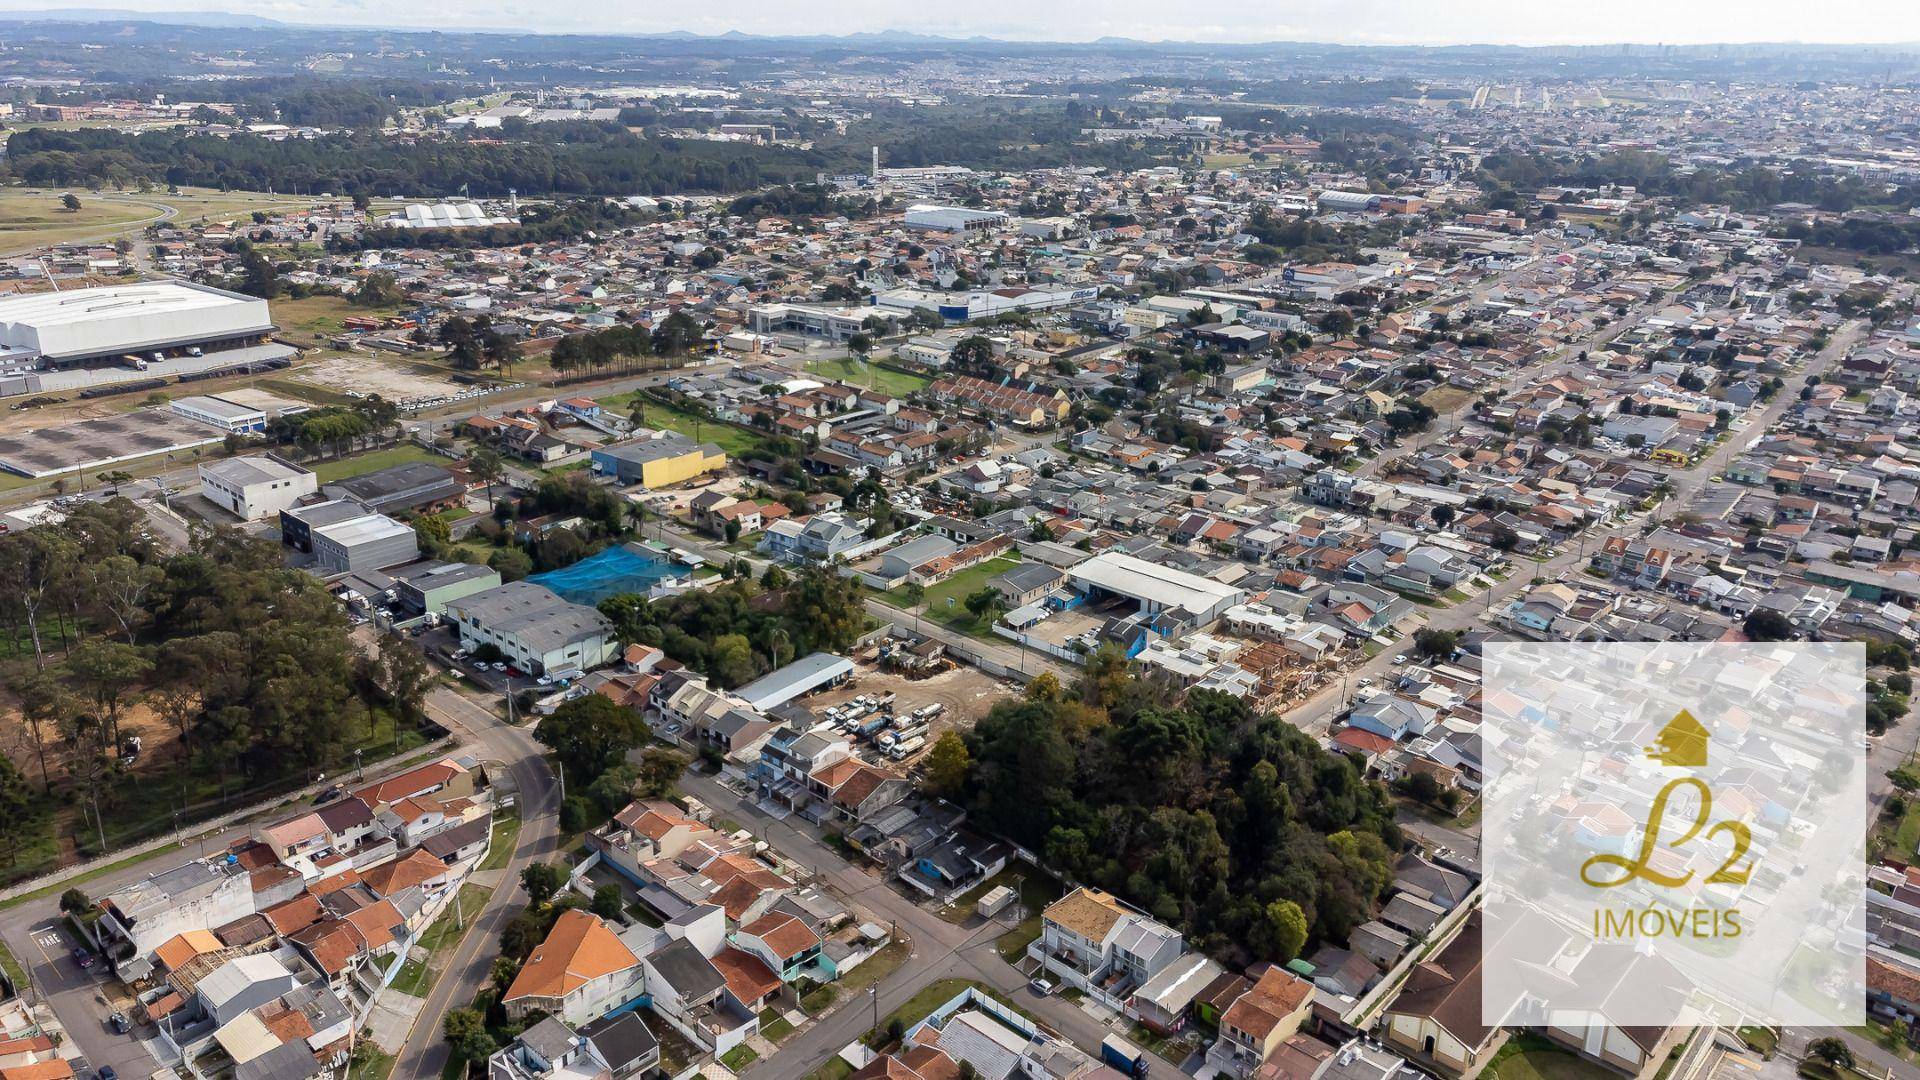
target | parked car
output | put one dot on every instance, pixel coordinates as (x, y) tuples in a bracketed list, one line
[(106, 1073), (120, 1022), (82, 957), (1040, 986)]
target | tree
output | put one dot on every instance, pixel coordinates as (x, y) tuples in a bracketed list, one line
[(1432, 642), (1832, 1050), (512, 563), (1443, 515), (1287, 930), (607, 902), (985, 604), (434, 534), (1766, 624), (590, 735), (948, 765), (402, 675), (75, 902), (486, 466), (70, 202), (17, 811), (467, 1036), (542, 882), (660, 769), (106, 671)]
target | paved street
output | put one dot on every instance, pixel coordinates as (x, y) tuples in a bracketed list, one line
[(34, 933), (941, 950)]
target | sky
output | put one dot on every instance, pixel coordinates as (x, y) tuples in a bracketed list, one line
[(1358, 22)]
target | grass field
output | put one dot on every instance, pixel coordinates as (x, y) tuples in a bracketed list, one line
[(957, 588), (318, 316), (355, 464), (738, 442), (32, 217), (872, 376)]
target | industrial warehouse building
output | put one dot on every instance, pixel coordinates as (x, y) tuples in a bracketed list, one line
[(658, 462), (251, 488), (816, 671), (367, 542), (431, 586), (536, 631), (1154, 587), (111, 322), (412, 486), (953, 219), (243, 410)]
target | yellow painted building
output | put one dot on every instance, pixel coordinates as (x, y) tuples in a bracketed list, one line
[(658, 463)]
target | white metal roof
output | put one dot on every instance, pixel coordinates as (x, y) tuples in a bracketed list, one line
[(1150, 582)]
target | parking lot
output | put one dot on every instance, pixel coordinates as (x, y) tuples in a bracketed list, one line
[(93, 995)]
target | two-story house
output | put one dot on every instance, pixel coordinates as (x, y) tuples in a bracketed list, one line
[(578, 973)]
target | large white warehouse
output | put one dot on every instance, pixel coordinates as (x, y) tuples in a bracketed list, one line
[(1154, 587), (81, 325)]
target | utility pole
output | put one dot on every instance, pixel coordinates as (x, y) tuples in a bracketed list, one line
[(873, 995)]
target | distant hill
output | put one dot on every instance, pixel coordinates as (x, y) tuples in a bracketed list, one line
[(216, 19)]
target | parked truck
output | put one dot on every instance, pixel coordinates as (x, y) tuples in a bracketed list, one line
[(872, 727), (1123, 1056), (901, 748), (928, 712)]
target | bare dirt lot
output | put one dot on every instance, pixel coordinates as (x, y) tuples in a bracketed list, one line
[(966, 692), (390, 377)]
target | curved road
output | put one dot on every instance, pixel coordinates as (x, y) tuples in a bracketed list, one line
[(425, 1052)]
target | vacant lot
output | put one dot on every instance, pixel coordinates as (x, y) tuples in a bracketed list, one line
[(871, 376), (355, 464), (738, 442), (315, 317), (946, 602), (966, 692), (365, 374)]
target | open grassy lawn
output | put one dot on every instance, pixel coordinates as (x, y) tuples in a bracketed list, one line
[(870, 375), (355, 464), (957, 588), (1762, 1040), (369, 1063), (32, 217), (738, 442), (316, 317), (1526, 1056), (1876, 1031)]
